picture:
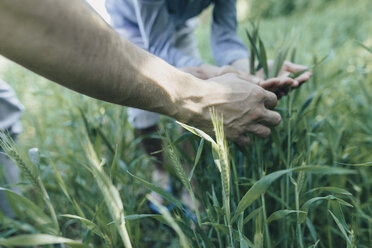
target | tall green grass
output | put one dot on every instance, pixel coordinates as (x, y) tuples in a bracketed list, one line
[(308, 185)]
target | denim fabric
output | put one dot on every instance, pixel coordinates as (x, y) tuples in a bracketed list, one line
[(153, 24)]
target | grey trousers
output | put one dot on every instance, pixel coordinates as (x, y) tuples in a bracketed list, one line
[(11, 174), (10, 112)]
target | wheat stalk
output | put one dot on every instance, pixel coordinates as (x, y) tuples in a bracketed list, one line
[(224, 163), (181, 173)]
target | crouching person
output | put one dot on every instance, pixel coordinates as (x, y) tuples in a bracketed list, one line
[(10, 112)]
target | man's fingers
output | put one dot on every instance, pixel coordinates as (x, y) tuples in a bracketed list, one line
[(293, 68), (270, 84), (270, 100), (242, 140), (304, 77), (260, 131), (286, 81), (277, 84), (270, 118)]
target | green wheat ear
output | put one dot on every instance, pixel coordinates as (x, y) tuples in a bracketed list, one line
[(20, 159), (223, 154), (176, 162), (110, 193), (30, 171), (223, 160)]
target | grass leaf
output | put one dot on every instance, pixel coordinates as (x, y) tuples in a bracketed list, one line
[(280, 214), (167, 216), (33, 211), (39, 239), (197, 158), (252, 215), (263, 58), (364, 46), (335, 190), (199, 133), (264, 183), (341, 227), (253, 46), (110, 194), (166, 195), (256, 190)]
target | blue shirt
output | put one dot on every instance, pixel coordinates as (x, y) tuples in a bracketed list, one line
[(152, 24)]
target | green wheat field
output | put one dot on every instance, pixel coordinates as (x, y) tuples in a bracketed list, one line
[(88, 183)]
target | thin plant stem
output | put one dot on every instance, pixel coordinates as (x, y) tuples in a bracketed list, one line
[(194, 201), (299, 233), (267, 233)]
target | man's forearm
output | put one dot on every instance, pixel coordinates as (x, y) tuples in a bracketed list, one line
[(68, 43), (71, 45)]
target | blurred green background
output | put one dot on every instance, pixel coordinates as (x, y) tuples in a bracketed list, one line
[(341, 113)]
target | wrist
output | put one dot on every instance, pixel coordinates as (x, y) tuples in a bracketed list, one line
[(189, 92)]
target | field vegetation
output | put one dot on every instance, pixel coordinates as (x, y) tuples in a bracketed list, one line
[(86, 182)]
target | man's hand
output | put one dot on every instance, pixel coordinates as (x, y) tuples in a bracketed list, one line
[(204, 71), (278, 85), (246, 108), (287, 69), (281, 84)]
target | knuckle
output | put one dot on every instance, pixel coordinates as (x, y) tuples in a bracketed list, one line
[(255, 114), (273, 98), (259, 94)]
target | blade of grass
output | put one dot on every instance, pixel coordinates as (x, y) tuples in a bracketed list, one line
[(110, 194), (33, 211), (263, 58), (167, 216), (280, 214), (89, 224), (252, 215), (174, 159), (253, 46), (199, 133), (306, 206), (39, 239), (335, 190), (166, 195), (342, 229), (364, 46), (263, 184), (197, 158)]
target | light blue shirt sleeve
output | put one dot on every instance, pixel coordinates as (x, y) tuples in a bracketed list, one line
[(226, 46), (117, 11), (157, 31)]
